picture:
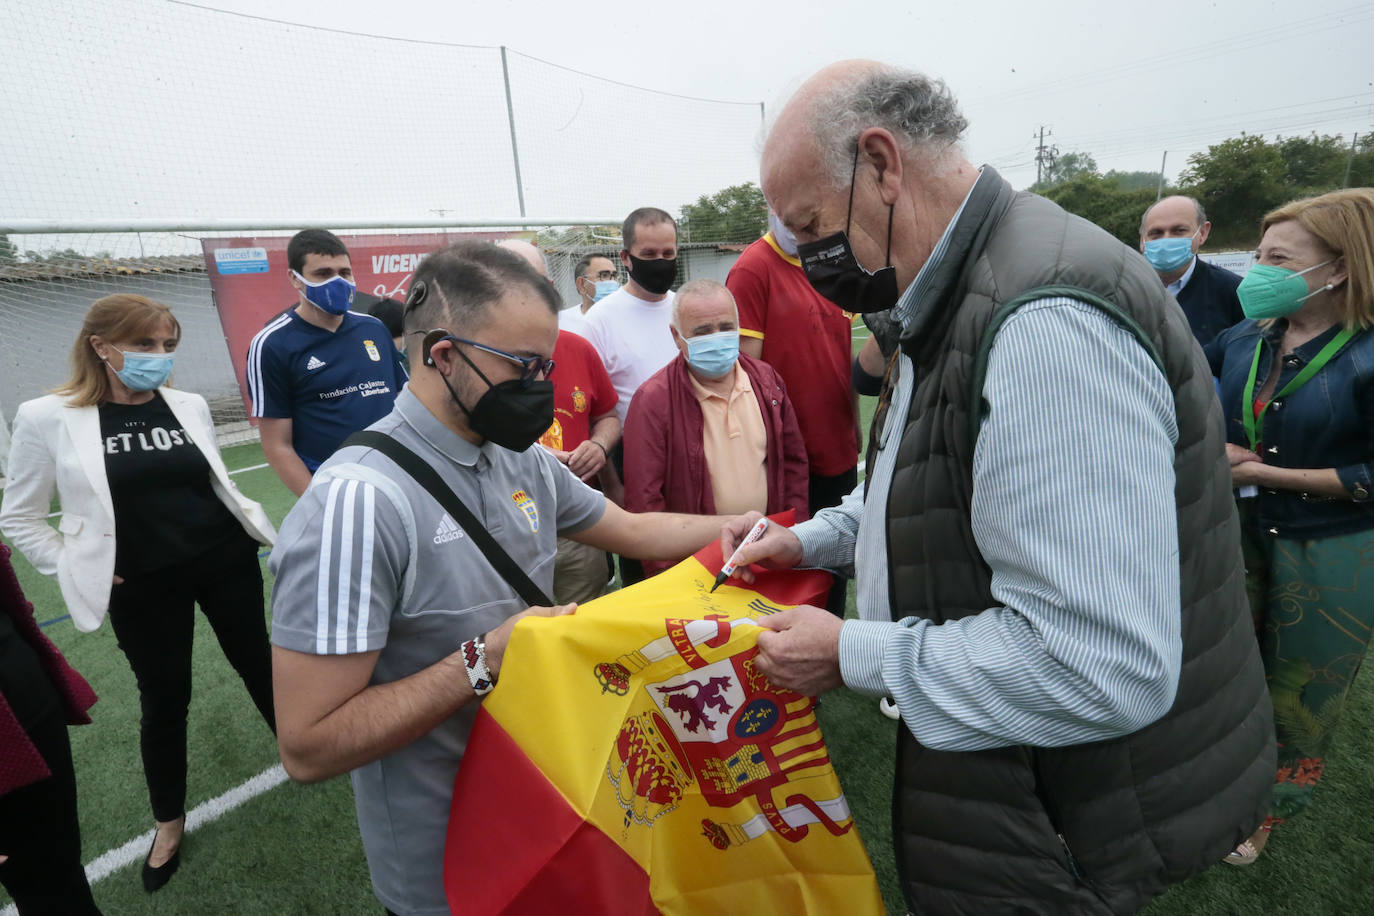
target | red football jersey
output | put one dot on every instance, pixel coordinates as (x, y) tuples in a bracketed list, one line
[(581, 390), (806, 337)]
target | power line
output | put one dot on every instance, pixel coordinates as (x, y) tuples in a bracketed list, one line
[(1339, 19), (447, 44), (1237, 119), (1177, 138)]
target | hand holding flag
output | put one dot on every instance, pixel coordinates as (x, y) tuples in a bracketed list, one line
[(800, 650)]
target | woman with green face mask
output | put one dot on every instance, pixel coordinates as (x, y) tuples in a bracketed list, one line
[(1296, 380)]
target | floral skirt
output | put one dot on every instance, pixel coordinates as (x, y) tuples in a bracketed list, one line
[(1313, 603)]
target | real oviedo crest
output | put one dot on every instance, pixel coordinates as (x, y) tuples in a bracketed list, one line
[(526, 504)]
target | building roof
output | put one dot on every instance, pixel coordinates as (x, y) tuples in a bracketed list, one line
[(51, 269)]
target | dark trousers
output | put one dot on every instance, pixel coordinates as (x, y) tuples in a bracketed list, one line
[(827, 492), (631, 570), (38, 825), (154, 620)]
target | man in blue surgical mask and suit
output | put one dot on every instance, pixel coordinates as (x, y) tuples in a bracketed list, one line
[(1171, 233), (713, 432)]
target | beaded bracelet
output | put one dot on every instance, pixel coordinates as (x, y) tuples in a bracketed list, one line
[(475, 663)]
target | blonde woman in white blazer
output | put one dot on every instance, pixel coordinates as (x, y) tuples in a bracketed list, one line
[(151, 525)]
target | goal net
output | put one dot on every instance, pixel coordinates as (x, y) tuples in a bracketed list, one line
[(146, 133)]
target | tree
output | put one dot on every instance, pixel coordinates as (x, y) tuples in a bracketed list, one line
[(1066, 168), (53, 256), (1362, 162), (1238, 181), (735, 214), (1133, 181), (1313, 164), (1099, 200), (555, 237), (8, 253)]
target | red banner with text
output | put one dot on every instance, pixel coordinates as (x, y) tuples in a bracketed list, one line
[(248, 278)]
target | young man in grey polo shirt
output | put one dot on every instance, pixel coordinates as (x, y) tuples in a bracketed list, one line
[(378, 590)]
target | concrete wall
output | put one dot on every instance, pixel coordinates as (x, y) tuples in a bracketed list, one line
[(40, 321)]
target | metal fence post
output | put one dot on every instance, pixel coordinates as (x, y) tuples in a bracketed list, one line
[(510, 117)]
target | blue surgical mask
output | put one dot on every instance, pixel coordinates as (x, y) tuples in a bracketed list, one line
[(334, 295), (1165, 255), (145, 371), (1273, 292), (713, 355), (604, 288), (785, 239)]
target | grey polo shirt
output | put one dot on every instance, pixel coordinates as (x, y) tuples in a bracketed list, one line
[(367, 561)]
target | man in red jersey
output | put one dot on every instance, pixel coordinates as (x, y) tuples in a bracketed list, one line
[(806, 338), (585, 429)]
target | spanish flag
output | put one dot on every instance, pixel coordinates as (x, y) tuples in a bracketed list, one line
[(632, 760)]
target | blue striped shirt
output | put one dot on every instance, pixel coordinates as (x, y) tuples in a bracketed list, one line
[(1072, 509)]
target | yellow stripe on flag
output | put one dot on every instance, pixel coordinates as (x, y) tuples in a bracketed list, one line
[(646, 713)]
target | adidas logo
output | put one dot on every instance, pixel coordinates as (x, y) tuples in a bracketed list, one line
[(315, 363), (447, 531)]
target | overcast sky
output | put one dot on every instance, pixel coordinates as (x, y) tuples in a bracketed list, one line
[(1127, 79), (225, 116)]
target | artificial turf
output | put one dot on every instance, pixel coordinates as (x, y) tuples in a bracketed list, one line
[(295, 849)]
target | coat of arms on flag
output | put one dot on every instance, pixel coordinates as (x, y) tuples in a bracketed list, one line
[(632, 759)]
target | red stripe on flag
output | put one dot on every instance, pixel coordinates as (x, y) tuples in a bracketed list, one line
[(787, 588), (516, 847)]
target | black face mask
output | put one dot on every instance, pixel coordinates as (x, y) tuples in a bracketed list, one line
[(513, 414), (655, 276), (833, 271)]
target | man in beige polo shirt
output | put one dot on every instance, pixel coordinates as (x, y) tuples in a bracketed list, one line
[(712, 432)]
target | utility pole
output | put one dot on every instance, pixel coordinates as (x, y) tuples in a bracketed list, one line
[(1345, 182), (1160, 191), (1044, 156)]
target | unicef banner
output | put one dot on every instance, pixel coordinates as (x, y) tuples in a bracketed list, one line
[(249, 281)]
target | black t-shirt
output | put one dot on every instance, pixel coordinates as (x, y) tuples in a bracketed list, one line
[(165, 509)]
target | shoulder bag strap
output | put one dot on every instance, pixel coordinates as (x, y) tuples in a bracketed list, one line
[(443, 494)]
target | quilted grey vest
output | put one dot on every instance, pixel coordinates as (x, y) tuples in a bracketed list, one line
[(1094, 828)]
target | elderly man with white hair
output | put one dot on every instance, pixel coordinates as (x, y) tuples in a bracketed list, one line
[(1046, 548), (712, 432)]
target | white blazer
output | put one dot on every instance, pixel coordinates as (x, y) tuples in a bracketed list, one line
[(55, 446)]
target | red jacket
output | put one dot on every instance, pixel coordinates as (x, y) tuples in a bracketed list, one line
[(665, 460), (20, 762)]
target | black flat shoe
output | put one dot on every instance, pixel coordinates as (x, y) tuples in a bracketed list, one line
[(155, 878)]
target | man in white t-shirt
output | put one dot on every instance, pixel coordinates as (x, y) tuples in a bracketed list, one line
[(595, 279), (629, 328)]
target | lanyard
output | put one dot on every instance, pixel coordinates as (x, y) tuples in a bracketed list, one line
[(1254, 424)]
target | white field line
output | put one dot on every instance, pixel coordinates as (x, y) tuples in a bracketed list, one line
[(251, 467), (137, 849)]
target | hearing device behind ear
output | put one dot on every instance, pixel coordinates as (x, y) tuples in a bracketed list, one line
[(418, 291), (432, 338)]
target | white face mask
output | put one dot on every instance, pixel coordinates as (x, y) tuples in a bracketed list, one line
[(785, 239)]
